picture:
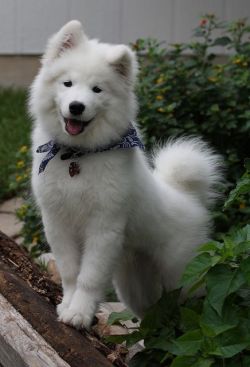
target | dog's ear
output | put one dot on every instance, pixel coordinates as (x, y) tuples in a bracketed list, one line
[(123, 60), (69, 36)]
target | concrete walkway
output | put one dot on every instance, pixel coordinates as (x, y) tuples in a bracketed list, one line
[(9, 224)]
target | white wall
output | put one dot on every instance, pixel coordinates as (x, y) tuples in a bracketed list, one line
[(26, 24)]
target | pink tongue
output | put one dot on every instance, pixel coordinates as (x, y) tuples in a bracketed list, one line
[(74, 127)]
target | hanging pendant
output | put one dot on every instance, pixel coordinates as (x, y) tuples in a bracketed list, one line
[(74, 169)]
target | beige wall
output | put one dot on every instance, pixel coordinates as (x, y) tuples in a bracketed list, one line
[(18, 71), (25, 25)]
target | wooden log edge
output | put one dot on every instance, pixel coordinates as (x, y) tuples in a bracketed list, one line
[(34, 297), (20, 344)]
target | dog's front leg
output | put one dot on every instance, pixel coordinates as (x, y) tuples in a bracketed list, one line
[(67, 254), (101, 253)]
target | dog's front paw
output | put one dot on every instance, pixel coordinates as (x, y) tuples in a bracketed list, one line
[(61, 307), (64, 305), (75, 318), (80, 312)]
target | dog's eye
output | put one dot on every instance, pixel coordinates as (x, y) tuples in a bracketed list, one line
[(96, 89), (68, 83)]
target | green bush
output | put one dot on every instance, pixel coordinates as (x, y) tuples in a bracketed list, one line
[(14, 131), (183, 89), (32, 230), (213, 330)]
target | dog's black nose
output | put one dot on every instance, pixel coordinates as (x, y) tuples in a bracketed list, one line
[(76, 108)]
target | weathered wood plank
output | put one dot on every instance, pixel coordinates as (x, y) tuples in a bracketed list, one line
[(20, 344), (34, 295), (71, 345)]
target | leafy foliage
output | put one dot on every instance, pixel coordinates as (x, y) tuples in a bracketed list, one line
[(186, 89), (211, 330), (32, 230), (243, 186), (14, 131)]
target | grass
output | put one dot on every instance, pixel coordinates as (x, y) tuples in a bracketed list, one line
[(15, 129)]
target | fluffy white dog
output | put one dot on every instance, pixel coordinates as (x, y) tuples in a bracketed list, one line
[(108, 215)]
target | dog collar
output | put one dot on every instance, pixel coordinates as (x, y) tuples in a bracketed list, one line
[(129, 140)]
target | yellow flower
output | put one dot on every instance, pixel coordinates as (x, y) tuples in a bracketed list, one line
[(242, 205), (20, 164), (159, 98), (237, 61), (35, 240), (18, 178), (159, 80), (22, 210), (24, 207), (213, 79), (23, 149), (160, 109)]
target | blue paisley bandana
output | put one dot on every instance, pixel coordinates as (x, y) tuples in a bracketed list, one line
[(129, 140)]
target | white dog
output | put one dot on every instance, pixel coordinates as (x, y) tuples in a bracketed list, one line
[(107, 214)]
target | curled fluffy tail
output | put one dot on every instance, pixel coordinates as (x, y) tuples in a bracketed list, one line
[(190, 165)]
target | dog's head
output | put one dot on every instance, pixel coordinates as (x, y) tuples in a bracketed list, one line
[(83, 94)]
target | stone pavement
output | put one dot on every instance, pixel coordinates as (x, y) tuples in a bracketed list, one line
[(9, 224)]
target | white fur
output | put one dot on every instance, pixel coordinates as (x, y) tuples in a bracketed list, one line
[(119, 219)]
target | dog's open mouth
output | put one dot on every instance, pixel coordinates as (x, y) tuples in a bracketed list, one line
[(75, 127)]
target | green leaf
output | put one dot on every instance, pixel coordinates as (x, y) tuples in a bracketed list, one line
[(160, 339), (241, 248), (241, 235), (246, 361), (116, 339), (247, 162), (188, 344), (215, 107), (233, 341), (133, 338), (229, 350), (189, 318), (213, 324), (124, 315), (211, 246), (222, 41), (141, 359), (146, 358), (242, 187), (196, 285), (198, 267), (184, 361), (130, 339), (164, 313), (245, 267), (244, 293), (222, 281), (202, 362), (158, 343)]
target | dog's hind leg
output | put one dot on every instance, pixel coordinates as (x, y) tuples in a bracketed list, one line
[(137, 282)]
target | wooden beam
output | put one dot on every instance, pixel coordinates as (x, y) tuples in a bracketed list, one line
[(20, 344), (34, 296), (71, 345)]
